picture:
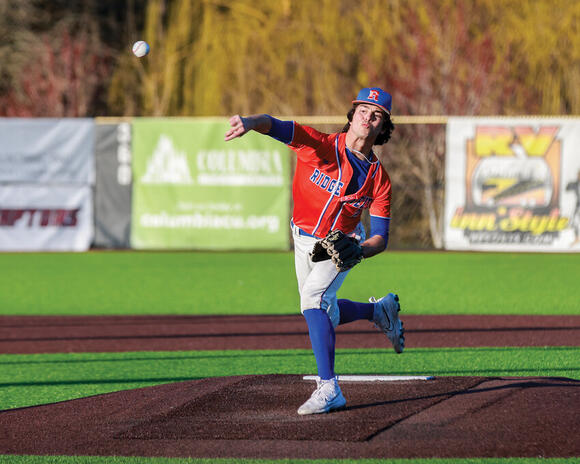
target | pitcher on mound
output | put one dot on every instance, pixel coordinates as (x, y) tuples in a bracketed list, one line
[(337, 177)]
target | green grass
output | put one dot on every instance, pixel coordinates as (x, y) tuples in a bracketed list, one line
[(99, 283), (27, 380), (107, 283)]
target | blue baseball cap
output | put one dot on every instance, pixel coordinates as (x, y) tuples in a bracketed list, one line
[(375, 96)]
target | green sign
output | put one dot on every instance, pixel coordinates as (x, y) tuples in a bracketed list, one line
[(193, 190)]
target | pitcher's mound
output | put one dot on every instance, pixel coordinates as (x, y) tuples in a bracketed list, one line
[(255, 417)]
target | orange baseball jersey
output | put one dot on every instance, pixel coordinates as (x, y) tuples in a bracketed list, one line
[(323, 173)]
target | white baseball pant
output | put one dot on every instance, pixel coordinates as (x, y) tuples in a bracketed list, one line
[(318, 282)]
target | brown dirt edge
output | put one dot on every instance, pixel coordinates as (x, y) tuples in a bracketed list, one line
[(62, 334), (255, 417)]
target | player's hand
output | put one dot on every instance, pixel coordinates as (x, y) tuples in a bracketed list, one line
[(238, 127)]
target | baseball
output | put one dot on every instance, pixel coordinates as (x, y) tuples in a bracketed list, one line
[(140, 48)]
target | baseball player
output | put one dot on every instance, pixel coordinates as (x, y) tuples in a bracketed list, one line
[(337, 177)]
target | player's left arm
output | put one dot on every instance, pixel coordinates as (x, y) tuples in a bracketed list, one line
[(380, 212), (379, 237)]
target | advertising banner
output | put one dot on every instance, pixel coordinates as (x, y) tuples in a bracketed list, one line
[(47, 150), (46, 176), (47, 218), (513, 184), (192, 190), (113, 185)]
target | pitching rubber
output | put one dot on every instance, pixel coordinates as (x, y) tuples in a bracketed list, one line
[(375, 378)]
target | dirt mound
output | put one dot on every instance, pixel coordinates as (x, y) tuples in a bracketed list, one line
[(255, 417)]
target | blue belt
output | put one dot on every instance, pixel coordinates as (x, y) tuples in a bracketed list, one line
[(301, 232)]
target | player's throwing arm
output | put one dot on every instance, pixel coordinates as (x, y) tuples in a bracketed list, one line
[(240, 126)]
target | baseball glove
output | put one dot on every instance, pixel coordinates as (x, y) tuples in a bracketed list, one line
[(344, 251)]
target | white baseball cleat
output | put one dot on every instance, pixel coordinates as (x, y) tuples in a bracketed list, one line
[(386, 319), (325, 398)]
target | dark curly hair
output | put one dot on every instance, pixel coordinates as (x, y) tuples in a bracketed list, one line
[(386, 132)]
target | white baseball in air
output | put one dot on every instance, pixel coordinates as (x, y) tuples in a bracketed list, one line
[(140, 48)]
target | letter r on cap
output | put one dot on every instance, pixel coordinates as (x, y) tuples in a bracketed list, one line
[(374, 95)]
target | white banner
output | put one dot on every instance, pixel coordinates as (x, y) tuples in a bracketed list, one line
[(47, 150), (45, 218), (513, 184)]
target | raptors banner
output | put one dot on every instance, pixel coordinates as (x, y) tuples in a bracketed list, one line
[(513, 184), (46, 179), (47, 151), (45, 218)]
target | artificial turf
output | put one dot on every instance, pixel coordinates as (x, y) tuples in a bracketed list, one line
[(27, 380), (189, 282)]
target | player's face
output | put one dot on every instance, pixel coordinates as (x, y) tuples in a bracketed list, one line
[(367, 121)]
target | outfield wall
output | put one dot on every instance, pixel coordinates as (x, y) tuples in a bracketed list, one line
[(512, 184), (145, 183)]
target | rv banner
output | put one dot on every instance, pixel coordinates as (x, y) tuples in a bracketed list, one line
[(192, 190), (513, 184)]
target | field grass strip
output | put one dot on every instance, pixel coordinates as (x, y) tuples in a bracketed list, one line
[(27, 380), (132, 283)]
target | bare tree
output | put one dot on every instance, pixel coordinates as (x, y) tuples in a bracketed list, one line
[(62, 73), (444, 68)]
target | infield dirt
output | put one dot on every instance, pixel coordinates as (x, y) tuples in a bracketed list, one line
[(54, 334)]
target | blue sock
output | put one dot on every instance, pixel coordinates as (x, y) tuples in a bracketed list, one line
[(354, 311), (322, 338)]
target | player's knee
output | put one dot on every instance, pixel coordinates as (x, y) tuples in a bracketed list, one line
[(328, 305)]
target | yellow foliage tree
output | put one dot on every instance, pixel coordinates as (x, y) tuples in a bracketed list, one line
[(538, 46), (215, 57)]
